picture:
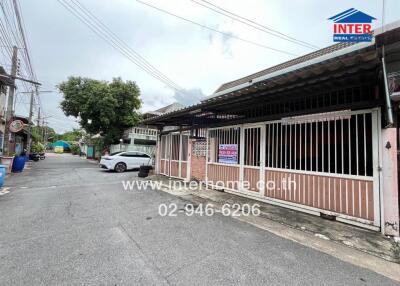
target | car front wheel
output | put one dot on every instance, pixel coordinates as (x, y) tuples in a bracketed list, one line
[(120, 167)]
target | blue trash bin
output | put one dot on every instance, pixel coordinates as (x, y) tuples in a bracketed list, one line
[(2, 174), (18, 164)]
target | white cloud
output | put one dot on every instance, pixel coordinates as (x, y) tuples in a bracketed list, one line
[(189, 97)]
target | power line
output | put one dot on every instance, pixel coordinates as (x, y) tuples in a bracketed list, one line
[(106, 37), (255, 25), (218, 31), (102, 33), (9, 23), (13, 34), (27, 58), (24, 40), (124, 44)]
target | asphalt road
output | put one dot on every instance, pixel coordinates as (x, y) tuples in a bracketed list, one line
[(66, 222)]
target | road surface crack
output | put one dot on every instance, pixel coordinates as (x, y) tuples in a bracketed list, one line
[(146, 258), (68, 208)]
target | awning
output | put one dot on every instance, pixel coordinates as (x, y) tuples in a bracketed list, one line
[(229, 105)]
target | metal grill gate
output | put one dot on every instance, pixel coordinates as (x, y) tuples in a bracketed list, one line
[(252, 171), (316, 163), (174, 155)]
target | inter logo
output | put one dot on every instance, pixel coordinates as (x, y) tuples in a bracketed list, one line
[(352, 26)]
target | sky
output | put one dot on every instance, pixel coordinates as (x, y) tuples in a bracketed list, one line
[(197, 59)]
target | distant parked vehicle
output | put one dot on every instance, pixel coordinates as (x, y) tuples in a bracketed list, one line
[(34, 156), (122, 161), (42, 156)]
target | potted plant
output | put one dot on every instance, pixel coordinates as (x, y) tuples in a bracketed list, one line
[(75, 150)]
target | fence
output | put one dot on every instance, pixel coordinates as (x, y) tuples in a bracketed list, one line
[(322, 163)]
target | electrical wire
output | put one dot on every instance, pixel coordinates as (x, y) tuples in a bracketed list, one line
[(24, 40), (12, 34), (254, 24), (124, 44), (218, 31), (106, 36)]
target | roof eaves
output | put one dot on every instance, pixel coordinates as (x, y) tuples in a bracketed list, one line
[(320, 59), (176, 112), (289, 65), (294, 68)]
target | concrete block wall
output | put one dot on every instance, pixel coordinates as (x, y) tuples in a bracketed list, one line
[(198, 168), (197, 164)]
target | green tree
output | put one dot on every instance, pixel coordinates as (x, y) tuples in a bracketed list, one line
[(102, 107), (71, 136), (37, 147), (38, 133), (75, 149)]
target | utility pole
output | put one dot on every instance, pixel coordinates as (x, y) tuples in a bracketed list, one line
[(44, 134), (43, 130), (10, 102), (38, 118), (29, 122), (32, 103)]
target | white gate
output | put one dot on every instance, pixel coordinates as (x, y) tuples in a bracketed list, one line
[(320, 163), (174, 155), (165, 151), (252, 160)]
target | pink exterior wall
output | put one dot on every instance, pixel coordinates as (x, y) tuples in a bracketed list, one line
[(197, 164), (346, 196), (225, 174), (184, 170), (390, 187), (198, 168), (174, 172), (252, 176)]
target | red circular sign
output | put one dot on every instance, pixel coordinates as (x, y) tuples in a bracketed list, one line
[(16, 126)]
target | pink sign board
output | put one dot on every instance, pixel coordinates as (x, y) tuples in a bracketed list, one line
[(228, 153)]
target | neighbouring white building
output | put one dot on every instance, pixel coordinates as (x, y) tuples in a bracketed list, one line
[(143, 138)]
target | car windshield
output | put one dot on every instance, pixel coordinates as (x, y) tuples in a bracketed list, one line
[(115, 153)]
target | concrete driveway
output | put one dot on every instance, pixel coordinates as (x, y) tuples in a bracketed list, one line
[(67, 222)]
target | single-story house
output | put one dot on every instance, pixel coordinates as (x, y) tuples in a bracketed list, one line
[(317, 134)]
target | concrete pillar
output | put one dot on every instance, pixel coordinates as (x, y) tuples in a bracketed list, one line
[(158, 155), (189, 159), (390, 195)]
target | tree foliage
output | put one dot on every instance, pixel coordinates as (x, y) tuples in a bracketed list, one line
[(71, 136), (38, 133), (75, 150), (102, 107), (37, 147)]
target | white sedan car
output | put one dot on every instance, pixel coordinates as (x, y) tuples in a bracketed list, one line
[(122, 161)]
